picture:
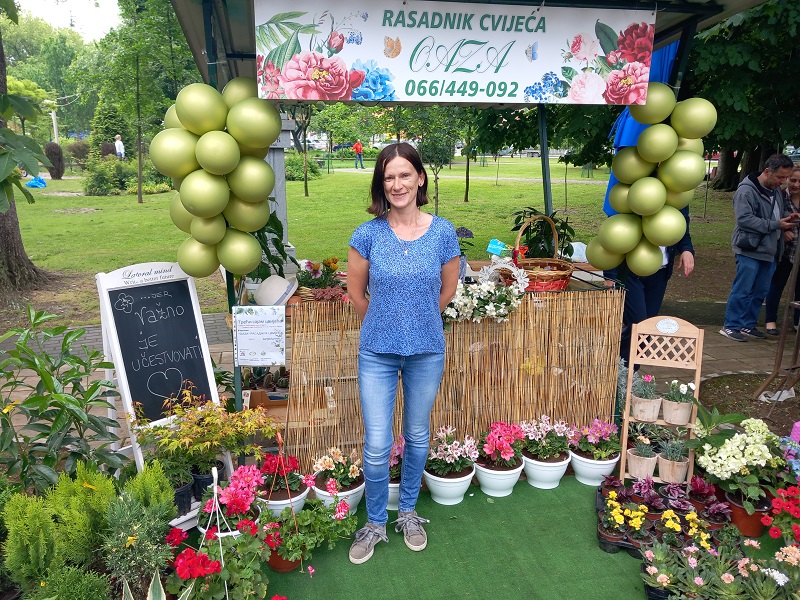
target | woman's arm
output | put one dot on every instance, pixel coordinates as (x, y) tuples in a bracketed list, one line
[(357, 279), (449, 282)]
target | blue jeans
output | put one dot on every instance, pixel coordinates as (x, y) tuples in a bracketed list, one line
[(377, 384), (750, 287), (779, 279), (360, 159)]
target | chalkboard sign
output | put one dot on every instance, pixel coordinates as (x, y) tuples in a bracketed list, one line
[(154, 333)]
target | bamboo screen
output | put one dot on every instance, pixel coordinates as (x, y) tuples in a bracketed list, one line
[(557, 356)]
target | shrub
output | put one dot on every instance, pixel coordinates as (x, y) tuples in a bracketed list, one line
[(79, 152), (55, 155), (108, 149), (108, 176), (29, 549), (294, 168), (73, 583), (151, 487), (134, 544), (7, 489)]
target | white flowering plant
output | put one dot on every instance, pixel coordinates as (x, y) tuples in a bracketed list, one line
[(742, 461), (490, 297), (448, 454), (680, 392)]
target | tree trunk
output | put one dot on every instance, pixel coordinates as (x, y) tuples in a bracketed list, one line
[(17, 272), (466, 181), (727, 177), (751, 162)]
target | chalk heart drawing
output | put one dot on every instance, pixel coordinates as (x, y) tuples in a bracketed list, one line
[(165, 384)]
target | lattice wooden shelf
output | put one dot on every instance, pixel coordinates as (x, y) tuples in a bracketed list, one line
[(663, 342)]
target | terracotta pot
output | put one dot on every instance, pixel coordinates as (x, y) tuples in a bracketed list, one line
[(609, 535), (645, 409), (672, 471), (640, 466), (748, 525), (279, 564), (676, 413)]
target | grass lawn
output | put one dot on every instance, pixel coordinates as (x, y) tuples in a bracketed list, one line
[(79, 236)]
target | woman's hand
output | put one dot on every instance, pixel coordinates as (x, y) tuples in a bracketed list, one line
[(449, 282), (357, 280)]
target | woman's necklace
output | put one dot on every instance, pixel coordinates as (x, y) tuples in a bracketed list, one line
[(404, 244)]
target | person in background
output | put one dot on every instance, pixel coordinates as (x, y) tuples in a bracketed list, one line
[(791, 204), (119, 147), (757, 244), (358, 148), (402, 271)]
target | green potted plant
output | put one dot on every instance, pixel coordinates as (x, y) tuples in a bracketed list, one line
[(677, 404), (645, 400), (641, 459), (338, 476), (545, 451), (294, 536), (595, 451), (318, 281), (538, 238), (673, 463)]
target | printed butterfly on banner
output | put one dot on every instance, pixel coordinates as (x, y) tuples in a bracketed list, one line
[(391, 47), (532, 52)]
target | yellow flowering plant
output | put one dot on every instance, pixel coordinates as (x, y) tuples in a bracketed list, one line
[(696, 528), (337, 470), (319, 275), (613, 517), (636, 521), (670, 521)]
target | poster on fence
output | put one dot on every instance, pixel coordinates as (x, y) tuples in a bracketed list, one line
[(259, 336), (448, 52)]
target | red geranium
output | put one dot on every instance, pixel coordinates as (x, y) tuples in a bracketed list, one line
[(636, 43), (248, 526), (191, 564), (176, 536), (785, 519)]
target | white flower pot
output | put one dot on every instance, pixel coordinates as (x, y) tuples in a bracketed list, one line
[(394, 496), (352, 497), (544, 475), (298, 501), (445, 490), (640, 467), (676, 413), (591, 472), (645, 409), (497, 483)]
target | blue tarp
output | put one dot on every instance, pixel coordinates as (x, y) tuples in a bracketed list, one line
[(36, 182), (626, 129)]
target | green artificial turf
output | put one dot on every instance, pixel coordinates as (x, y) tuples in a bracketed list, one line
[(533, 544)]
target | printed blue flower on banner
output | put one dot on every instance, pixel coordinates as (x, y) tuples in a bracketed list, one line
[(376, 84), (354, 38), (365, 15), (549, 88)]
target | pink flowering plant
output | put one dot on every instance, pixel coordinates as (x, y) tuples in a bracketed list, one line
[(295, 535), (336, 470), (501, 445), (601, 67), (644, 386), (545, 439), (396, 458), (599, 441), (235, 499), (449, 454)]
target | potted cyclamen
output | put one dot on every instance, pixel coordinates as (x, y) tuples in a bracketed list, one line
[(641, 459), (545, 451), (450, 466), (645, 401), (500, 461), (594, 451), (283, 485), (678, 403), (395, 470), (338, 477)]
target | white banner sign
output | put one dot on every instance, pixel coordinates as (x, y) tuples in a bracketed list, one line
[(259, 335), (449, 52)]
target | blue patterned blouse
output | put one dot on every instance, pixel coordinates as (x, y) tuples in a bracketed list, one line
[(405, 280)]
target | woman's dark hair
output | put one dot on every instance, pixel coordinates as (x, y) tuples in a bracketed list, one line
[(380, 204)]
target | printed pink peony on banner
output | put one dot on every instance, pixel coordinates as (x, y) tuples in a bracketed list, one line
[(385, 51)]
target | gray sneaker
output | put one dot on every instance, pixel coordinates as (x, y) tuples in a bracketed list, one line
[(411, 525), (733, 334), (753, 333), (366, 539)]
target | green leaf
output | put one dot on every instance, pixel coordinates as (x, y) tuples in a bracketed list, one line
[(281, 55), (156, 590), (126, 590), (285, 16), (569, 73), (609, 39)]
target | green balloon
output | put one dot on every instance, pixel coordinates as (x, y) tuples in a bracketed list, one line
[(239, 252), (254, 122), (645, 259), (646, 196), (659, 104), (693, 118), (179, 215), (208, 230), (217, 152), (657, 143), (692, 145), (252, 180), (664, 228), (201, 108), (239, 88), (618, 198), (628, 166), (196, 259), (204, 194), (679, 199), (172, 152), (600, 258), (683, 171), (247, 216), (620, 233), (171, 120)]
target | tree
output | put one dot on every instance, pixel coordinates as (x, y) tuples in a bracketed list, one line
[(17, 272), (27, 89), (438, 141), (301, 114), (338, 121)]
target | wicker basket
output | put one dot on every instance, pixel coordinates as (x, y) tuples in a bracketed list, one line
[(545, 274)]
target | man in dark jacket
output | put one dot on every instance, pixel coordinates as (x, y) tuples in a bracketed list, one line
[(757, 243)]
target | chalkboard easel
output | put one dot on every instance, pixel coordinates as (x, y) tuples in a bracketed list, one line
[(153, 333)]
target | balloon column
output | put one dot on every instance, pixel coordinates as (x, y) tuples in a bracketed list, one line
[(213, 147), (657, 178)]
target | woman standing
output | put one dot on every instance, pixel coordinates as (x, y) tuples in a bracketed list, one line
[(402, 271), (791, 204)]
